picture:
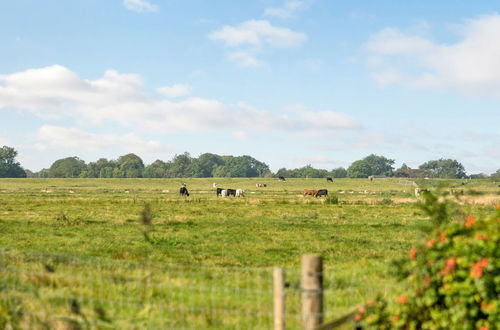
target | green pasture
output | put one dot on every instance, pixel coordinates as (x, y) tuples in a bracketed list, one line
[(209, 259)]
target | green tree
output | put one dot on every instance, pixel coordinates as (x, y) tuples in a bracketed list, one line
[(97, 169), (241, 166), (371, 165), (158, 169), (70, 167), (359, 169), (130, 166), (9, 168), (181, 166), (444, 168), (339, 172), (496, 175), (204, 165)]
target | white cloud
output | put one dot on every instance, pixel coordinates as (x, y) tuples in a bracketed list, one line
[(251, 37), (258, 33), (244, 59), (57, 93), (174, 91), (140, 6), (287, 10), (470, 65), (75, 139)]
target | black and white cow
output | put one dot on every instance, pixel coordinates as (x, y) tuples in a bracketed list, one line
[(219, 191), (328, 179), (281, 178), (231, 192), (184, 191), (322, 192)]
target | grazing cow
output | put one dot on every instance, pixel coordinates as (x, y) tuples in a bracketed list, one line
[(223, 192), (328, 179), (322, 192), (370, 178), (240, 193), (310, 192), (183, 191), (214, 185), (260, 185), (231, 192), (281, 178), (219, 191)]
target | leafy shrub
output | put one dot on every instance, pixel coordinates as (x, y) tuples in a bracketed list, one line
[(386, 201), (332, 199), (453, 281)]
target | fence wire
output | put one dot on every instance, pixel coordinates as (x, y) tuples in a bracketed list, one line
[(58, 291)]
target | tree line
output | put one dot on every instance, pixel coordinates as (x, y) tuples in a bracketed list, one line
[(213, 165)]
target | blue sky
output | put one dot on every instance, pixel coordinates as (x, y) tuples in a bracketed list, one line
[(291, 83)]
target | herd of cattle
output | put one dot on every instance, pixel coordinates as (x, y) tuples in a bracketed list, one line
[(241, 193)]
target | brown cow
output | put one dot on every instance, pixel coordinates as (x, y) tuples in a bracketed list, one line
[(308, 192)]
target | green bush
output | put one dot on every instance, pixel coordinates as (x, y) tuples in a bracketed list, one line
[(332, 199), (453, 281)]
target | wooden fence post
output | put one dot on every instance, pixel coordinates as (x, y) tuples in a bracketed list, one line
[(279, 299), (312, 291)]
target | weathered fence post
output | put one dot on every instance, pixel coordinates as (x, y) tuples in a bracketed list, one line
[(312, 291), (279, 299)]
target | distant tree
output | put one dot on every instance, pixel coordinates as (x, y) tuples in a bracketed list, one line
[(9, 168), (204, 165), (241, 166), (444, 168), (102, 168), (158, 169), (130, 166), (181, 166), (496, 175), (70, 167), (403, 172), (359, 169), (43, 173), (339, 172), (30, 174), (371, 165)]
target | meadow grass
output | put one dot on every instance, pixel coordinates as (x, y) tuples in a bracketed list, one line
[(208, 261)]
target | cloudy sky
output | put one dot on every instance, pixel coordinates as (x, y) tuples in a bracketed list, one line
[(291, 83)]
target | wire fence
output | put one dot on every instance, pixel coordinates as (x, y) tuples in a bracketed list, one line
[(39, 291)]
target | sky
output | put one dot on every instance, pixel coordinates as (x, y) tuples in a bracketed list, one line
[(291, 83)]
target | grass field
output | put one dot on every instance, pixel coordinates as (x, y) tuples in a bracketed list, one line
[(78, 242)]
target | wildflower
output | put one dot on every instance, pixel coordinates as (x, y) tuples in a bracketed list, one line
[(430, 242), (476, 270), (469, 222), (442, 237), (484, 328), (361, 309), (430, 262), (395, 318), (486, 306), (413, 253), (402, 300), (358, 317), (449, 267), (446, 287), (427, 281), (482, 237), (371, 303)]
